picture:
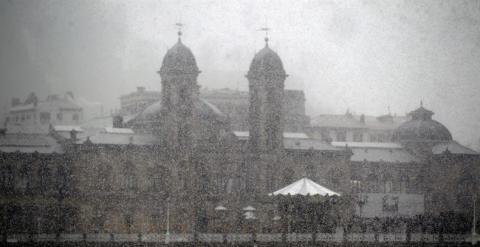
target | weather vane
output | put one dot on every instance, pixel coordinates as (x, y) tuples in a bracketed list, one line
[(179, 26), (265, 29)]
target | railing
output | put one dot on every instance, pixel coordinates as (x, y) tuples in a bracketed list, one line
[(239, 238)]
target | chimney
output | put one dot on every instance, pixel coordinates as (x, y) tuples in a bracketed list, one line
[(117, 121), (362, 118), (69, 94)]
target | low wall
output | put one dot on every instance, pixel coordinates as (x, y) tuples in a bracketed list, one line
[(259, 239)]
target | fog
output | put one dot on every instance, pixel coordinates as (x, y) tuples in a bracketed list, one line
[(366, 56)]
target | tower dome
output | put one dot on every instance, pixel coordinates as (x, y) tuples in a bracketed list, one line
[(266, 61), (422, 128), (179, 59)]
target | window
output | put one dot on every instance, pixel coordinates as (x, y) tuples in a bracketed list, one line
[(103, 180), (59, 116), (129, 221), (404, 184), (287, 176), (356, 183), (8, 178), (61, 179), (129, 182), (158, 179), (341, 135), (44, 175), (357, 136), (372, 183), (75, 117), (156, 223), (387, 183), (44, 117), (25, 179), (99, 220), (390, 204), (219, 183), (230, 186)]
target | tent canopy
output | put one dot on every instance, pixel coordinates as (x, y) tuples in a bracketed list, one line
[(304, 187)]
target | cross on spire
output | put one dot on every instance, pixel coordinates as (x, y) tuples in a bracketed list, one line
[(265, 29), (179, 27)]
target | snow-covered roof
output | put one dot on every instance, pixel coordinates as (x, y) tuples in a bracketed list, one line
[(368, 144), (103, 138), (295, 141), (295, 135), (452, 147), (304, 187), (392, 155), (67, 128), (243, 135), (308, 144), (23, 107), (29, 143), (118, 130)]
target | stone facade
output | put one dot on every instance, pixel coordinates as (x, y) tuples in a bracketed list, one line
[(179, 166)]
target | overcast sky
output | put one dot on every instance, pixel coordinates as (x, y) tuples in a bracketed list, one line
[(362, 55)]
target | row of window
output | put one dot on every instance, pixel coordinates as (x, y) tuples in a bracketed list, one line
[(22, 180), (357, 136), (44, 117)]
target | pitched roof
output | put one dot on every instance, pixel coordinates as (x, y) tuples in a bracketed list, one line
[(392, 155), (29, 143), (385, 122), (452, 147), (295, 141)]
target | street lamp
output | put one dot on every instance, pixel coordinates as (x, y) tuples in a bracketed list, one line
[(167, 235), (220, 213), (250, 218)]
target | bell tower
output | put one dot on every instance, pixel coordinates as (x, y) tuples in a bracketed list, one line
[(179, 74), (266, 78)]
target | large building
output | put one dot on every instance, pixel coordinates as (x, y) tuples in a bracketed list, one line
[(135, 102), (355, 128), (233, 103), (34, 115), (179, 162)]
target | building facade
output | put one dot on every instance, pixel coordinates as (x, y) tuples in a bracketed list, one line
[(34, 115), (355, 128), (178, 163)]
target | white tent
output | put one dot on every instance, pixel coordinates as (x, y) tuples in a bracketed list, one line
[(304, 187)]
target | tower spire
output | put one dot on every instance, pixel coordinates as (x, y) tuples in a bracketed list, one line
[(265, 29), (179, 33)]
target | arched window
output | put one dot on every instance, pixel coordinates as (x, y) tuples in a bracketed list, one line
[(420, 184), (387, 183), (356, 183), (9, 178), (159, 179), (129, 182), (61, 179), (311, 171), (104, 177), (44, 178), (25, 179), (334, 177), (99, 219), (404, 183), (372, 183)]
